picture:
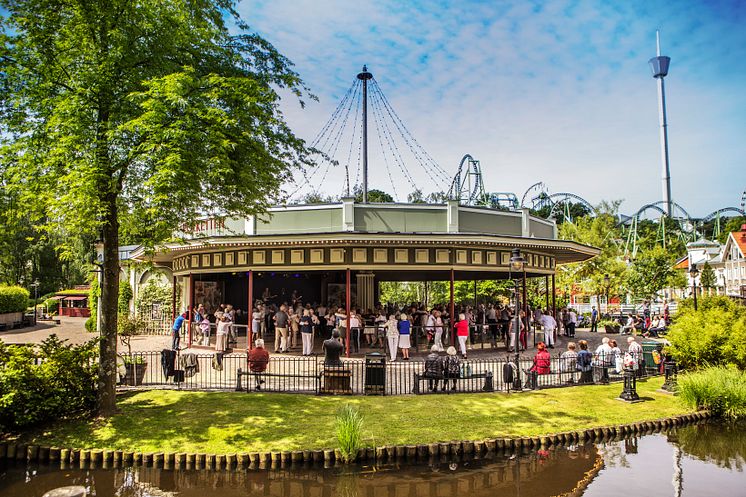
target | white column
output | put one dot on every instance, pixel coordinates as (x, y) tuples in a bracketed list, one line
[(525, 222), (348, 214), (452, 214)]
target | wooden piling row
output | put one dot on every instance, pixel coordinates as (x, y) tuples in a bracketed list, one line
[(85, 458)]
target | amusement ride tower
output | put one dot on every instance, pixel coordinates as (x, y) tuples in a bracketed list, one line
[(659, 64)]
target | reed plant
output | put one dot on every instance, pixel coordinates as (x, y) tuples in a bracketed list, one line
[(349, 424), (720, 389)]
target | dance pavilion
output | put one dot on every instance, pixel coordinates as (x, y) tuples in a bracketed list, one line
[(339, 253)]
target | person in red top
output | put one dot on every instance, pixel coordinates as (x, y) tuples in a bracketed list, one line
[(542, 364), (258, 360), (462, 332)]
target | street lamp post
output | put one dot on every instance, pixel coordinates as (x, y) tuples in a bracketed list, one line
[(694, 272), (606, 287), (516, 264), (35, 284)]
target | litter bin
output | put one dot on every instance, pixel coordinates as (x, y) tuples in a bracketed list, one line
[(647, 354), (375, 374)]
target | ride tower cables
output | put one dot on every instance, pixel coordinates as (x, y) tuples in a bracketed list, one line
[(348, 140), (432, 168), (327, 140)]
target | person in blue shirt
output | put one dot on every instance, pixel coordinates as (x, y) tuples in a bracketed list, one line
[(404, 327), (176, 330)]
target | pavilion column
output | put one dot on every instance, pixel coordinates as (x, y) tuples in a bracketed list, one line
[(452, 311), (250, 321), (546, 287), (189, 310), (554, 300), (347, 312), (525, 303), (365, 290)]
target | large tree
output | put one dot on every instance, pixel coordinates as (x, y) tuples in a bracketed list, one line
[(136, 117)]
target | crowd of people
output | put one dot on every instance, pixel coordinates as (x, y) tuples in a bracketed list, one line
[(392, 328)]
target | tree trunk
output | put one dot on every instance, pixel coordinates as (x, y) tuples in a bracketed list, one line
[(107, 379)]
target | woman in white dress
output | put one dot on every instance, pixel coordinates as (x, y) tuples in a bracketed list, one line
[(221, 337)]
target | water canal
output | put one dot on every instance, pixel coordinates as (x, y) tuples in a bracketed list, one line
[(693, 461)]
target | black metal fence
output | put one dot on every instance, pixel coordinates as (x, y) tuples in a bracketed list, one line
[(372, 375)]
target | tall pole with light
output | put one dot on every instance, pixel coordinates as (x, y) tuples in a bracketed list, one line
[(516, 264), (694, 272), (35, 284), (607, 284), (659, 65)]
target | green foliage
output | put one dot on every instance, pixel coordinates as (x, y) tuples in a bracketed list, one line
[(154, 292), (52, 305), (125, 296), (722, 390), (349, 426), (47, 383), (90, 324), (651, 272), (13, 299), (707, 278), (731, 225), (610, 323), (127, 327), (713, 335), (373, 195)]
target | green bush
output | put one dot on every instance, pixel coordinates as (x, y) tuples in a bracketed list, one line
[(125, 295), (13, 299), (90, 324), (713, 335), (349, 432), (722, 390), (52, 305), (52, 381)]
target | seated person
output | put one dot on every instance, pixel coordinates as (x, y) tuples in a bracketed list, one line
[(258, 361), (658, 327), (542, 365), (629, 325), (451, 367), (433, 368)]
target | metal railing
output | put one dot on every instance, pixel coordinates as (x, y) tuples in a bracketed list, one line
[(357, 376)]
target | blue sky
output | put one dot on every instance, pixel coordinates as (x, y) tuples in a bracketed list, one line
[(558, 92)]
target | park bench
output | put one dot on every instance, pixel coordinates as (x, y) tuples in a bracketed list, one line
[(264, 375), (486, 386)]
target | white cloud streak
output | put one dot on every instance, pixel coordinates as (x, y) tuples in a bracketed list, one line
[(558, 92)]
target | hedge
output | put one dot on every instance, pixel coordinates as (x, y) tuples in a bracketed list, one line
[(13, 299)]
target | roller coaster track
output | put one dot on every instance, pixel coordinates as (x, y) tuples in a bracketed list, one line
[(718, 212)]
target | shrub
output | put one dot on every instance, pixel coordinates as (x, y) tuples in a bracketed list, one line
[(713, 335), (52, 381), (90, 324), (13, 299), (722, 390), (349, 432), (125, 295), (53, 305)]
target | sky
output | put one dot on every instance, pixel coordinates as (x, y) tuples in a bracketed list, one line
[(555, 92)]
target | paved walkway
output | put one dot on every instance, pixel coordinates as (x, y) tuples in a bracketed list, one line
[(73, 330)]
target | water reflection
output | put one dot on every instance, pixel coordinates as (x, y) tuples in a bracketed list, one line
[(683, 462)]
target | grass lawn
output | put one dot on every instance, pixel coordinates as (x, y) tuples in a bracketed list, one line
[(173, 421)]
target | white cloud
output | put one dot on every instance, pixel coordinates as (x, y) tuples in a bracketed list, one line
[(559, 93)]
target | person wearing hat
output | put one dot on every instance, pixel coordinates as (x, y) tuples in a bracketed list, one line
[(451, 367)]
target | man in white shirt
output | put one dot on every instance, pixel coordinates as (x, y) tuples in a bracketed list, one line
[(549, 325), (572, 322)]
